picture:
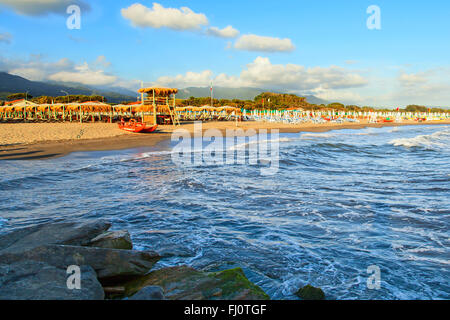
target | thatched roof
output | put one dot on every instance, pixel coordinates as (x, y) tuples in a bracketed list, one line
[(159, 91)]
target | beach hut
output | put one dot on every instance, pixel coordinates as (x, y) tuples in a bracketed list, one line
[(95, 108), (21, 106), (159, 100)]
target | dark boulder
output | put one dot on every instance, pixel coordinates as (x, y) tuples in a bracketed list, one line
[(66, 233), (113, 240), (309, 292), (149, 293), (108, 263), (31, 280)]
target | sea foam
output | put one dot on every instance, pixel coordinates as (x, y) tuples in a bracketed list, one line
[(435, 140)]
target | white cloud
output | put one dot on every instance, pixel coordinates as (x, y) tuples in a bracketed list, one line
[(159, 17), (228, 32), (36, 68), (261, 73), (5, 37), (85, 75), (63, 70), (347, 97), (251, 42), (42, 7), (190, 79), (411, 79), (101, 61)]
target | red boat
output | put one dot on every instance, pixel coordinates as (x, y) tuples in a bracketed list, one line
[(137, 127)]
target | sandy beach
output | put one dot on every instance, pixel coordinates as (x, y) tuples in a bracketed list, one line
[(27, 141)]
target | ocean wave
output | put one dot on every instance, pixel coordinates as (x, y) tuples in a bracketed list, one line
[(246, 144), (395, 129), (3, 221), (317, 135), (437, 140)]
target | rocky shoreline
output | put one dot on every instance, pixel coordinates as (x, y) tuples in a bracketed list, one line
[(69, 260)]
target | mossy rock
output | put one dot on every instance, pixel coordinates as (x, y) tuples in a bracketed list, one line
[(185, 283), (113, 240), (309, 292)]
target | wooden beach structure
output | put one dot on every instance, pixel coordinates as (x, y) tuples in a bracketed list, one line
[(160, 101)]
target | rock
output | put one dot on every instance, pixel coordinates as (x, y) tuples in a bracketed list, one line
[(113, 240), (149, 293), (167, 251), (31, 280), (108, 263), (66, 233), (185, 283), (309, 292)]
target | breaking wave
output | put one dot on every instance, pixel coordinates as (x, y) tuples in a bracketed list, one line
[(437, 140)]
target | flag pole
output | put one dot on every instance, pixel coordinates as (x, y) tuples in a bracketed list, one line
[(212, 94)]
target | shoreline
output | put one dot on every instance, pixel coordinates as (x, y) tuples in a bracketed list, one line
[(118, 140)]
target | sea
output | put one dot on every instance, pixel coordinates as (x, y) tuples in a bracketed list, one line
[(362, 214)]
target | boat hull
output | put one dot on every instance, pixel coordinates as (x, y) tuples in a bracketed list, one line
[(137, 127)]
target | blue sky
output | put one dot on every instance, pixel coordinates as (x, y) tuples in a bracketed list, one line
[(306, 47)]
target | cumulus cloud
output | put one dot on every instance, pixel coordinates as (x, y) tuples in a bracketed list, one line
[(340, 95), (261, 73), (190, 79), (227, 32), (85, 75), (42, 7), (251, 42), (411, 79), (427, 87), (102, 62), (159, 17), (63, 70), (5, 37)]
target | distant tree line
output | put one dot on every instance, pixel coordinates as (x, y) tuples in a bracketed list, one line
[(68, 99), (18, 96), (60, 99), (266, 100)]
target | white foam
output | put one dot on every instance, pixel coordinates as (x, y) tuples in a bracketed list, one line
[(245, 144), (438, 140), (317, 135), (395, 129)]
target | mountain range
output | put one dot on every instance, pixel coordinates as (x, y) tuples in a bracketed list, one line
[(10, 84), (14, 84)]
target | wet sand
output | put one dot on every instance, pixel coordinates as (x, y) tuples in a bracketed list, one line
[(24, 141)]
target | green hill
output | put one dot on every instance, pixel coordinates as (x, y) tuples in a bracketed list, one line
[(14, 84)]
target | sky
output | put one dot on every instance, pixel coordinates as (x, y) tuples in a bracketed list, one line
[(376, 53)]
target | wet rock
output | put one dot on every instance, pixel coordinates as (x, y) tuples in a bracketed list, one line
[(65, 233), (113, 240), (309, 292), (185, 283), (149, 293), (31, 280), (108, 263), (168, 251)]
